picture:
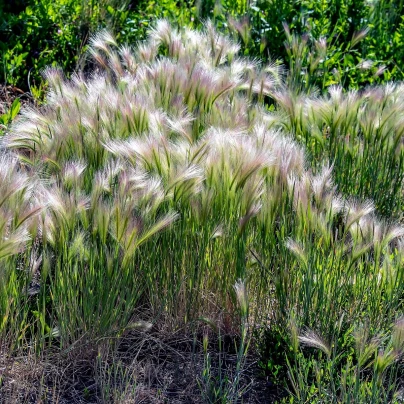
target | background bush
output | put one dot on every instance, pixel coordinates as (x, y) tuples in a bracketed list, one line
[(368, 34)]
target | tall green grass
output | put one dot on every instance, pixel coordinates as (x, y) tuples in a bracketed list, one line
[(360, 133)]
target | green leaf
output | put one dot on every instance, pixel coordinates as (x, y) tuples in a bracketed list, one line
[(15, 108)]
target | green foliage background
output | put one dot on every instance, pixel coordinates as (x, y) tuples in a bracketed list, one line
[(39, 33)]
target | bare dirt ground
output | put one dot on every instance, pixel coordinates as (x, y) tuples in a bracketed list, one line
[(9, 93), (139, 369)]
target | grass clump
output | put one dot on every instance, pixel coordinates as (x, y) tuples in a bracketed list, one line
[(164, 197), (359, 132)]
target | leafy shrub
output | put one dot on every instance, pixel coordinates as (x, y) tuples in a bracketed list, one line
[(340, 37), (349, 42), (36, 34)]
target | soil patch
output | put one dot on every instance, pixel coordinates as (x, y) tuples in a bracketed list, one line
[(9, 93)]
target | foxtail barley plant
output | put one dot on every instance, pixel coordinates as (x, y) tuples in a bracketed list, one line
[(149, 187)]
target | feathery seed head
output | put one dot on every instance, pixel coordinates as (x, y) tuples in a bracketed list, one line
[(397, 336), (312, 339), (72, 172), (298, 250), (242, 297)]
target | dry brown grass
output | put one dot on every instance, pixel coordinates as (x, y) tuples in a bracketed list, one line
[(141, 367)]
